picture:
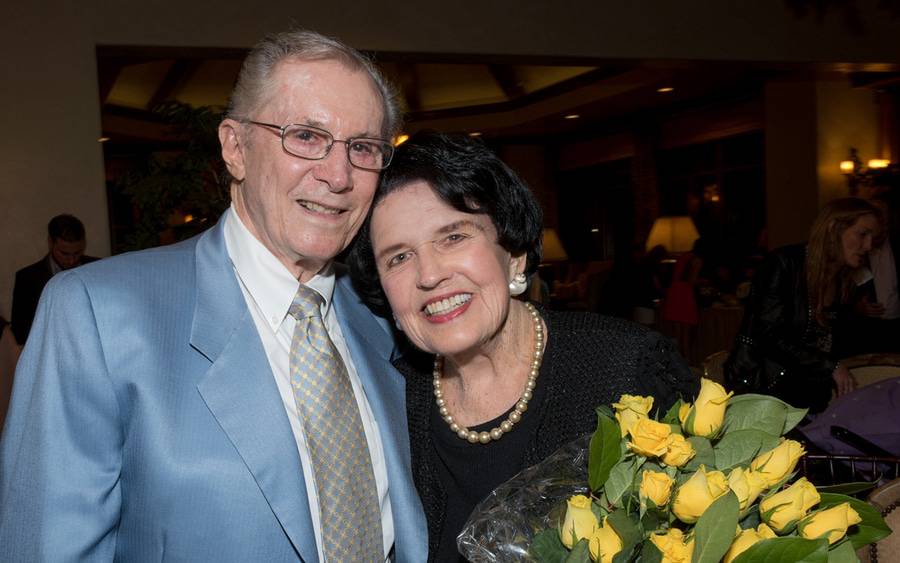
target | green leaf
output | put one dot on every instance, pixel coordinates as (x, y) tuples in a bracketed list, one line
[(548, 548), (621, 479), (843, 553), (629, 532), (846, 488), (704, 456), (671, 416), (650, 553), (714, 531), (604, 451), (792, 418), (793, 549), (756, 412), (580, 553), (739, 447), (871, 529)]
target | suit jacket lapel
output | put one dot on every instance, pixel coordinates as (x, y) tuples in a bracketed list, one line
[(371, 345), (241, 393)]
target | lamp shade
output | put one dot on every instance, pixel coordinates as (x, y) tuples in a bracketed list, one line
[(676, 234), (553, 248)]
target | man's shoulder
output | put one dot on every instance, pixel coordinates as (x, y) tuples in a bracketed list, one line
[(35, 269)]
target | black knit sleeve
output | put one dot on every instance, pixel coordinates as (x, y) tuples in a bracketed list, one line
[(665, 373)]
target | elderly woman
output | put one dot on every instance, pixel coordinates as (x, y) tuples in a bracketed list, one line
[(799, 297), (450, 239)]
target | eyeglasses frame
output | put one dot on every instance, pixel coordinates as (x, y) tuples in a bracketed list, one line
[(282, 128)]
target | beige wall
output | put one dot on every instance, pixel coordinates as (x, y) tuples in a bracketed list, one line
[(49, 154), (49, 96)]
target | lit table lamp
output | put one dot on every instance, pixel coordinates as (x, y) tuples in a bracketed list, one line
[(676, 233)]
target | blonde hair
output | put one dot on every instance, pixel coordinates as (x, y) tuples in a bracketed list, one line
[(825, 250)]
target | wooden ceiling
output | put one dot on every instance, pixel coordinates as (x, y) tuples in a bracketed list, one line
[(498, 97)]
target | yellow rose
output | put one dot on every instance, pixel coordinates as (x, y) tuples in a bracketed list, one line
[(579, 520), (648, 437), (678, 451), (746, 539), (746, 484), (833, 521), (630, 409), (774, 465), (695, 495), (673, 547), (604, 544), (656, 486), (708, 409), (790, 505)]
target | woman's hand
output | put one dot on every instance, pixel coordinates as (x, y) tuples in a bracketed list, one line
[(843, 380)]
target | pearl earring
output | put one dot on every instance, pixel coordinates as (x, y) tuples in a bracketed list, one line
[(518, 284)]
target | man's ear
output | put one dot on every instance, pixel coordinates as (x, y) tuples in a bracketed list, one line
[(232, 151)]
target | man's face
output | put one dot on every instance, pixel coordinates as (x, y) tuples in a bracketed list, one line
[(66, 254), (304, 211)]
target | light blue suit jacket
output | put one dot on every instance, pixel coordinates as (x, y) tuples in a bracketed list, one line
[(145, 423)]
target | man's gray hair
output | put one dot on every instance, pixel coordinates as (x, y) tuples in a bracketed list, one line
[(254, 79)]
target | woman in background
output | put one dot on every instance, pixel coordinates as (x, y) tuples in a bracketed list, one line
[(498, 384), (786, 343)]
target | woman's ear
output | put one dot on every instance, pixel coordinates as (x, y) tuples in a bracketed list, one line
[(517, 264), (232, 151)]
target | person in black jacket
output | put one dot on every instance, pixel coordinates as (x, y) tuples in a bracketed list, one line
[(66, 243), (499, 383), (800, 294)]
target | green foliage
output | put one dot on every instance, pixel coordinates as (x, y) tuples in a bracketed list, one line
[(794, 549), (628, 531), (179, 182), (671, 416), (580, 553), (621, 479), (547, 547), (704, 456), (604, 452), (739, 447), (715, 529)]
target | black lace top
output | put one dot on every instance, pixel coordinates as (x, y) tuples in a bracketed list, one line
[(589, 360)]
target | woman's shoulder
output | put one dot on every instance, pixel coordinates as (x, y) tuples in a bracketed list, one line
[(578, 326)]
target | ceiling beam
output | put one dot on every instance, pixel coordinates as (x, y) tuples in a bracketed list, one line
[(505, 76), (178, 74)]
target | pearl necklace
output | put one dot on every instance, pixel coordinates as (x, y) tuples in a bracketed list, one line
[(521, 406)]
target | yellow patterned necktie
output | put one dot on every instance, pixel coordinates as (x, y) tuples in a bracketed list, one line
[(349, 510)]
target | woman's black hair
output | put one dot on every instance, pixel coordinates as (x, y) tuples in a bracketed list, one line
[(469, 177)]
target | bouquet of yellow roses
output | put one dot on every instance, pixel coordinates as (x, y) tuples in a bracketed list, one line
[(711, 481)]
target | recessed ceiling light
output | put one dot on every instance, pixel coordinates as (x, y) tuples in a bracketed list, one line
[(475, 134), (102, 139), (665, 89), (572, 116), (595, 230)]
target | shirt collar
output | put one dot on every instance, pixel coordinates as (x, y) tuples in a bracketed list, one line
[(270, 285)]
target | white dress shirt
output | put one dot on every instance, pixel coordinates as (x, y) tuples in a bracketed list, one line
[(269, 290)]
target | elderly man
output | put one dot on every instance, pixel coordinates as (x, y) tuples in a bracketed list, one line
[(228, 398)]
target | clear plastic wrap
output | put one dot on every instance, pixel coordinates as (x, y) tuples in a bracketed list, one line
[(503, 525)]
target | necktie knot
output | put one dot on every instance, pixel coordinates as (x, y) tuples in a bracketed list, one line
[(307, 303)]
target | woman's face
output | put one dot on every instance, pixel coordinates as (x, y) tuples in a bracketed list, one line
[(445, 276), (857, 240)]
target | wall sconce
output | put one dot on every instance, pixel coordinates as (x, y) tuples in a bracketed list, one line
[(856, 173), (676, 234)]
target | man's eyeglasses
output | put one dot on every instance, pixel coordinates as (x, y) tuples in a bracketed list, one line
[(313, 143)]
